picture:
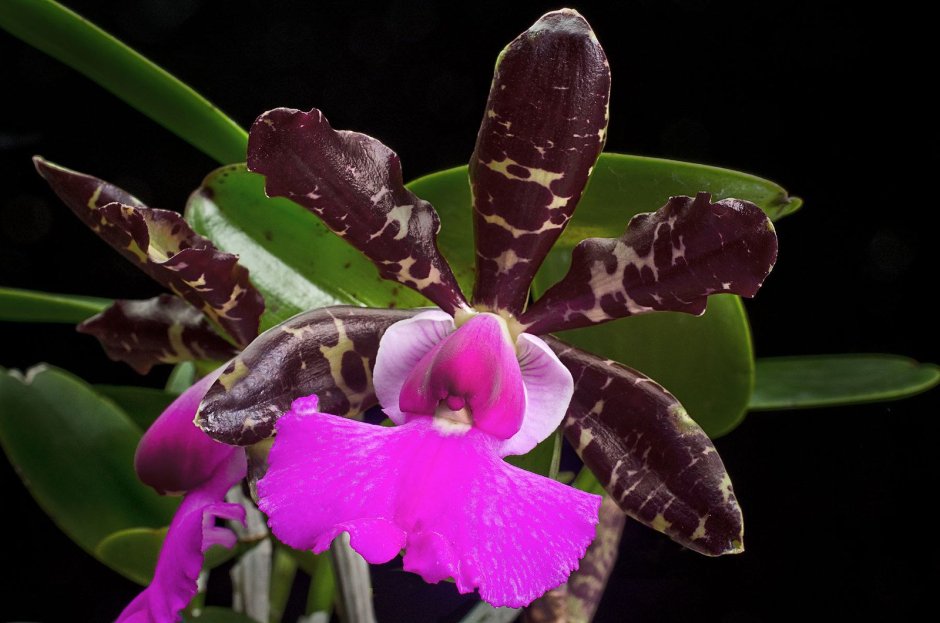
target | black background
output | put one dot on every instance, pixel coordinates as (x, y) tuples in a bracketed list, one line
[(826, 99)]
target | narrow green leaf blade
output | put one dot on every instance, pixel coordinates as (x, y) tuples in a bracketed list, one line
[(75, 451), (78, 43), (31, 306), (294, 260), (831, 380)]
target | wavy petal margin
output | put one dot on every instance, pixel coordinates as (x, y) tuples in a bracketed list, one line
[(668, 260), (329, 352), (544, 127), (164, 329), (163, 245), (354, 184), (650, 456)]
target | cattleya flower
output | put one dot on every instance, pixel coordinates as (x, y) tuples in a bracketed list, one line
[(473, 381), (466, 384)]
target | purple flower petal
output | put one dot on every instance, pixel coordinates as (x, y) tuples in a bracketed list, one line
[(548, 390), (668, 260), (163, 245), (544, 127), (470, 377), (403, 345), (174, 455), (328, 351), (353, 182), (456, 508), (164, 329), (191, 533), (651, 457)]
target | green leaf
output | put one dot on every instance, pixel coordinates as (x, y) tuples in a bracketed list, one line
[(706, 362), (830, 380), (294, 260), (133, 552), (214, 614), (141, 404), (74, 450), (78, 43), (543, 459), (181, 377), (31, 306)]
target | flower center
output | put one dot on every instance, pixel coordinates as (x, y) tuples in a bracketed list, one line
[(470, 379)]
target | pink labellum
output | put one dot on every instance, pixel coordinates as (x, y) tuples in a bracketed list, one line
[(472, 377), (449, 501)]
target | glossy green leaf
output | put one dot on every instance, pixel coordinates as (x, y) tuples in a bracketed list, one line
[(133, 552), (294, 260), (74, 451), (30, 306), (830, 380), (140, 404), (78, 43), (707, 362), (181, 377), (543, 459)]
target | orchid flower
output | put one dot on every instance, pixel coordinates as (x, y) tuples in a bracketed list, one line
[(467, 384), (176, 457), (472, 382)]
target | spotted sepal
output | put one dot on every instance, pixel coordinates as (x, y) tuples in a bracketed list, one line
[(329, 352), (354, 184), (668, 260), (164, 329), (163, 245), (650, 456), (544, 127)]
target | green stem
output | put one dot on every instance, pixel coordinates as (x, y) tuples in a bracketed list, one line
[(30, 306), (78, 43), (322, 586), (283, 570)]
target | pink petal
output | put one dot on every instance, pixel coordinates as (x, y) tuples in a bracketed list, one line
[(402, 347), (191, 533), (548, 390), (449, 500), (174, 455), (474, 369)]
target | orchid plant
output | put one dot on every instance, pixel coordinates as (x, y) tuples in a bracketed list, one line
[(464, 482)]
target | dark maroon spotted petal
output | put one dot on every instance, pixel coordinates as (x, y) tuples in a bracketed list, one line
[(163, 245), (576, 601), (353, 182), (668, 260), (329, 352), (165, 329), (651, 457), (543, 129)]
